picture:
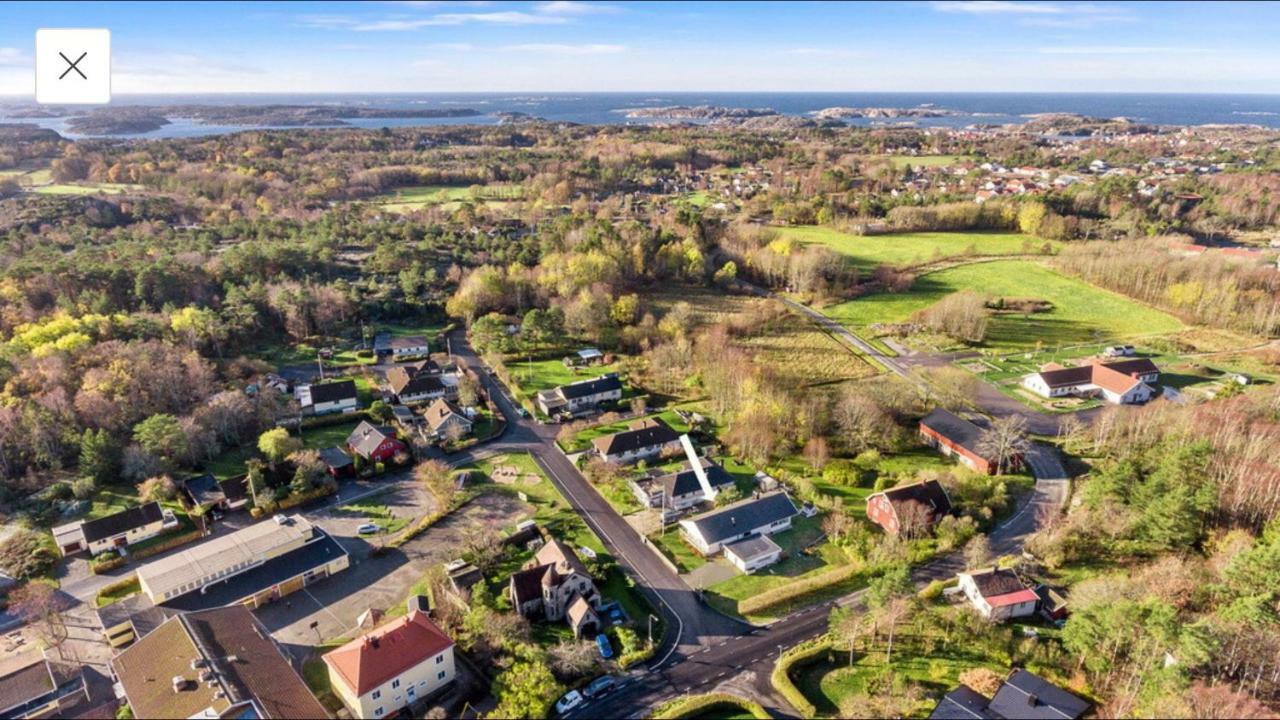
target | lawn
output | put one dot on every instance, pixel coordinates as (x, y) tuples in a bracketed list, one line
[(672, 544), (86, 189), (116, 592), (376, 513), (911, 249), (902, 161), (802, 354), (231, 463), (534, 377), (1081, 312), (582, 440), (409, 199)]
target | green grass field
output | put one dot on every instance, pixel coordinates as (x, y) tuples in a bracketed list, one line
[(924, 160), (408, 199), (534, 377), (86, 189), (231, 463), (910, 249), (1081, 312), (582, 440)]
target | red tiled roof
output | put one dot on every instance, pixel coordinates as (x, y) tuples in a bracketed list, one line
[(372, 659), (1117, 382), (1012, 598)]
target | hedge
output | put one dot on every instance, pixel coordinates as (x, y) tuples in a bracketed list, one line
[(105, 564), (798, 589), (427, 521), (697, 704), (802, 654), (167, 543)]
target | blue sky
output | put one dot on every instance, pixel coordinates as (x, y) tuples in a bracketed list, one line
[(959, 45)]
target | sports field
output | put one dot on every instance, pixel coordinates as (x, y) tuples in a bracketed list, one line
[(1081, 312), (910, 249)]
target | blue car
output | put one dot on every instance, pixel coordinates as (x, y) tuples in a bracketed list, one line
[(606, 649)]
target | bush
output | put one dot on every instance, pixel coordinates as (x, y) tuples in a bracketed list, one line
[(802, 654), (160, 544), (106, 562), (698, 705), (798, 589), (27, 553), (84, 488)]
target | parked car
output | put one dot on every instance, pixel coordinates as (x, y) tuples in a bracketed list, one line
[(571, 700), (606, 648), (600, 686), (367, 529)]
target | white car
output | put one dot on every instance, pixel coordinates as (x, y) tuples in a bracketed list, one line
[(367, 529), (571, 700)]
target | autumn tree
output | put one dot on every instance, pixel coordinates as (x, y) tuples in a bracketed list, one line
[(277, 444), (1005, 442)]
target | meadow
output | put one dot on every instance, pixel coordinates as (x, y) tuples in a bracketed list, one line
[(913, 249), (86, 189), (1081, 312), (409, 199), (902, 161)]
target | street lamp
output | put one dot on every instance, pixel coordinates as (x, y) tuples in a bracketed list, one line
[(779, 652), (651, 619)]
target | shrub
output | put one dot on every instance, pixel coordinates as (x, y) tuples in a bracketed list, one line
[(699, 705), (84, 488), (27, 553), (802, 654), (798, 589), (106, 562)]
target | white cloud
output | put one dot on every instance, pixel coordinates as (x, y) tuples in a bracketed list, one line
[(996, 7), (819, 52), (13, 57), (1041, 14), (565, 49), (401, 24), (572, 7)]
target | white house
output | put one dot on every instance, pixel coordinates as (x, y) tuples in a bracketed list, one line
[(998, 595), (646, 440), (327, 398), (709, 532), (555, 586), (580, 396), (115, 532), (1120, 382), (753, 553), (393, 666)]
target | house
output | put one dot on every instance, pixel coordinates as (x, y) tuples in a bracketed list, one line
[(1120, 382), (462, 577), (405, 417), (116, 531), (203, 492), (235, 491), (645, 440), (392, 667), (680, 490), (420, 382), (913, 507), (752, 553), (1021, 695), (446, 420), (709, 532), (998, 594), (587, 356), (338, 463), (555, 586), (218, 663), (956, 437), (339, 396), (400, 348), (1053, 604), (375, 443), (239, 565), (581, 396), (31, 686)]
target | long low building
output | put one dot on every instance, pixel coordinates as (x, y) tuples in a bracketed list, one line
[(291, 540), (1120, 382), (710, 532)]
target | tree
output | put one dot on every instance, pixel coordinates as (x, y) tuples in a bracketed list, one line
[(161, 435), (479, 549), (977, 552), (380, 411), (468, 391), (26, 554), (1005, 442), (850, 626), (984, 680), (99, 455), (437, 477), (816, 452), (527, 688), (160, 488), (571, 658), (277, 444), (837, 524), (41, 606)]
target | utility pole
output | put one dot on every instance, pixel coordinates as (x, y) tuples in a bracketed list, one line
[(651, 618)]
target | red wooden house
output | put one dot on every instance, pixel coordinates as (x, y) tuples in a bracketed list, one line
[(375, 443)]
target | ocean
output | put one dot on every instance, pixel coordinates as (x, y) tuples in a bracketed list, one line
[(609, 108)]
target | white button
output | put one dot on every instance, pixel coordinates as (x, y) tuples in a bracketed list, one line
[(73, 66)]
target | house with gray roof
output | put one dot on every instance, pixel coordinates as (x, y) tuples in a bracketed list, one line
[(581, 396), (711, 531)]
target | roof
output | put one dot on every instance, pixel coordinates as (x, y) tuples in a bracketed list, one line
[(526, 585), (332, 391), (685, 481), (1065, 377), (123, 521), (1001, 587), (1100, 373), (440, 410), (255, 543), (929, 493), (204, 489), (374, 658), (319, 552), (593, 386), (408, 342), (954, 428), (565, 560), (962, 703), (1027, 695), (647, 433), (411, 380), (1117, 382), (235, 489), (579, 610), (23, 679), (210, 639), (334, 457), (752, 548), (589, 353), (743, 516), (367, 437)]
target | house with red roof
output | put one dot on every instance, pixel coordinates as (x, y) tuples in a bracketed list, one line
[(1119, 382), (393, 666), (997, 594)]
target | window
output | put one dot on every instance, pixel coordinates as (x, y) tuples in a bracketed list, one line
[(376, 694), (440, 658), (395, 683), (440, 675), (378, 712)]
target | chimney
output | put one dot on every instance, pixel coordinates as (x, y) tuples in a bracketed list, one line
[(733, 520), (1031, 700), (179, 683)]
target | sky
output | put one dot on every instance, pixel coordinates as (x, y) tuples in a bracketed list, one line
[(926, 46)]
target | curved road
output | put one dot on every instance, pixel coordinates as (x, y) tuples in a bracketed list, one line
[(704, 648)]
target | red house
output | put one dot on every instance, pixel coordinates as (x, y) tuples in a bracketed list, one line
[(956, 437), (912, 508), (375, 443)]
